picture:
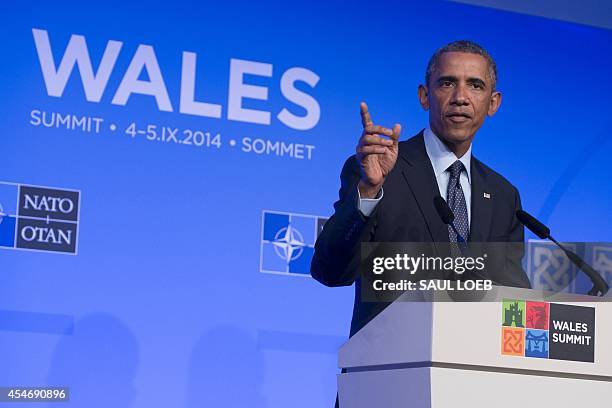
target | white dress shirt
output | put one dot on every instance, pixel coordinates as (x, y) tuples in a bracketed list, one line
[(441, 157)]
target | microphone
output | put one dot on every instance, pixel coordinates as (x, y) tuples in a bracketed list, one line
[(447, 216), (535, 226), (600, 287)]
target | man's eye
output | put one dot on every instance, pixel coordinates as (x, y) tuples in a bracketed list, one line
[(447, 83), (478, 86)]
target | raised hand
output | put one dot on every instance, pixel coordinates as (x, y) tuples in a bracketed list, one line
[(376, 153)]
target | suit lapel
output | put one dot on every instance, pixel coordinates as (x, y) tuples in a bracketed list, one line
[(482, 204), (418, 173)]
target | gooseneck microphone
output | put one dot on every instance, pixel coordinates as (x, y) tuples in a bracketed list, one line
[(535, 226), (600, 287), (447, 216)]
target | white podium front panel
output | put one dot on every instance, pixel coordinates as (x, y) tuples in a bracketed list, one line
[(453, 388), (464, 333)]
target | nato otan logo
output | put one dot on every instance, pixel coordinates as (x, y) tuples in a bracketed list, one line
[(38, 218), (549, 268), (287, 242)]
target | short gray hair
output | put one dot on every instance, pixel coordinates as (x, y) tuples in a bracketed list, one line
[(467, 46)]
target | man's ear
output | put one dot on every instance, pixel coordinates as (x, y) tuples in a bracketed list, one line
[(496, 99), (423, 97)]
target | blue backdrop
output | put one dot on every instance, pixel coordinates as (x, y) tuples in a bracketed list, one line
[(175, 295)]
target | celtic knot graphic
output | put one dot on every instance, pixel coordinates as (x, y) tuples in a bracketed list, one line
[(513, 342)]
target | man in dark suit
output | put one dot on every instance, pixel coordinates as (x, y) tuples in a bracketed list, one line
[(388, 188)]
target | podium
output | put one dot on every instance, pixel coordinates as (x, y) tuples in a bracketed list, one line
[(442, 354)]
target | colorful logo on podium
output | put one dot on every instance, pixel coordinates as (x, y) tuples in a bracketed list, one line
[(548, 330), (287, 242)]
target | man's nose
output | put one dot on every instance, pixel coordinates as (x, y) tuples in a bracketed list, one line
[(460, 96)]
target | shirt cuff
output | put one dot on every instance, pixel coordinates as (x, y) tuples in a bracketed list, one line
[(367, 205)]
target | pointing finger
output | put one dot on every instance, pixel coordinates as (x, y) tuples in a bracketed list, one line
[(366, 121)]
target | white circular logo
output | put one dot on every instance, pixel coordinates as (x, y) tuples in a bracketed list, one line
[(288, 243)]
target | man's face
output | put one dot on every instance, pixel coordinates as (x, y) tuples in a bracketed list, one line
[(459, 96)]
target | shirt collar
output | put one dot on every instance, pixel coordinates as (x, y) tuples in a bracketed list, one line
[(442, 157)]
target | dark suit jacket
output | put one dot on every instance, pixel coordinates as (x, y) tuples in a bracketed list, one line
[(406, 213)]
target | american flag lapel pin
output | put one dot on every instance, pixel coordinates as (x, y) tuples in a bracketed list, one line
[(486, 195)]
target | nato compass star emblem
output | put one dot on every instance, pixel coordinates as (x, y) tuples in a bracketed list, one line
[(288, 243)]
